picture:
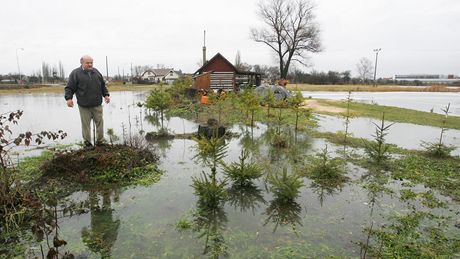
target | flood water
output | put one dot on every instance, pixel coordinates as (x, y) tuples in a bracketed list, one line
[(48, 111), (420, 101), (140, 221)]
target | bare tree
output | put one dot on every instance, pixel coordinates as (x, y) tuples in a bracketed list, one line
[(139, 70), (270, 73), (240, 65), (289, 30), (46, 72), (237, 59), (364, 67), (61, 71)]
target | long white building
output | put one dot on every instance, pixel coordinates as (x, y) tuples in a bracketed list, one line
[(428, 78)]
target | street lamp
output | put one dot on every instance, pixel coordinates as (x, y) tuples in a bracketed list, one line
[(17, 61), (375, 67)]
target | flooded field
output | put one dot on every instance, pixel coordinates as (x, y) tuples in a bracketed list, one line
[(405, 135), (420, 101), (323, 220)]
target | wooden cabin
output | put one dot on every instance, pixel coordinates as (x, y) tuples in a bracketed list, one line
[(219, 73)]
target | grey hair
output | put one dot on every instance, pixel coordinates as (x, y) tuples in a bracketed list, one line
[(85, 57)]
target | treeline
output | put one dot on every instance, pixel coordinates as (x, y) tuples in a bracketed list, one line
[(364, 68), (323, 78), (341, 78), (272, 74), (46, 74)]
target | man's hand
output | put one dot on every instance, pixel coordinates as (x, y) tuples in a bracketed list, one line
[(107, 99), (70, 103)]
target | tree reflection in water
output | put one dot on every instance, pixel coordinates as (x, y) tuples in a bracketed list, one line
[(103, 233), (325, 188), (283, 212), (210, 219), (249, 143), (246, 197), (283, 209), (210, 223), (374, 181), (163, 146)]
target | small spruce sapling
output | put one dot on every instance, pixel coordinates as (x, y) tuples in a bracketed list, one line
[(439, 149), (378, 150)]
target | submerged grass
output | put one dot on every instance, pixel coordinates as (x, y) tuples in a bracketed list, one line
[(413, 165), (439, 174), (408, 236), (338, 139)]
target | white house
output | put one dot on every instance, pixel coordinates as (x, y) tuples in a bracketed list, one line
[(165, 75), (148, 75), (171, 76)]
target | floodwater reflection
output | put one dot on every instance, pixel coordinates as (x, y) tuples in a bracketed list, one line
[(247, 197), (103, 231), (282, 212), (210, 224)]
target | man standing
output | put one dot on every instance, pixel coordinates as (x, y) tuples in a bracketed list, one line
[(88, 85)]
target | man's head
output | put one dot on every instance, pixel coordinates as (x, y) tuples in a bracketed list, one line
[(86, 62)]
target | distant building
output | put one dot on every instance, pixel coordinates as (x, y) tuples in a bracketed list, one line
[(219, 73), (428, 78), (7, 81), (165, 75)]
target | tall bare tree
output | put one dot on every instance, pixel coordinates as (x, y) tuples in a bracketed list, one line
[(139, 70), (61, 71), (237, 59), (46, 72), (240, 65), (289, 29), (364, 67)]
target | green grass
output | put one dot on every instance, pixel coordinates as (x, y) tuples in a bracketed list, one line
[(29, 168), (338, 139), (395, 114), (439, 174)]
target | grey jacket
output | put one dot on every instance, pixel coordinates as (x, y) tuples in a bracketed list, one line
[(88, 86)]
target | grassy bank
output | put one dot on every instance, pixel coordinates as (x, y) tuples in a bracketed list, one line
[(371, 88), (394, 114), (113, 87), (12, 89)]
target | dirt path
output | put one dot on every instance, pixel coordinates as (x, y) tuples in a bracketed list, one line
[(316, 107)]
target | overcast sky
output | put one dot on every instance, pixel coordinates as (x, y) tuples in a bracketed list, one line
[(416, 36)]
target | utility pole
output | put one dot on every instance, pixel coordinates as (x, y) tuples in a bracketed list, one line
[(107, 68), (375, 67), (17, 61), (204, 48)]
